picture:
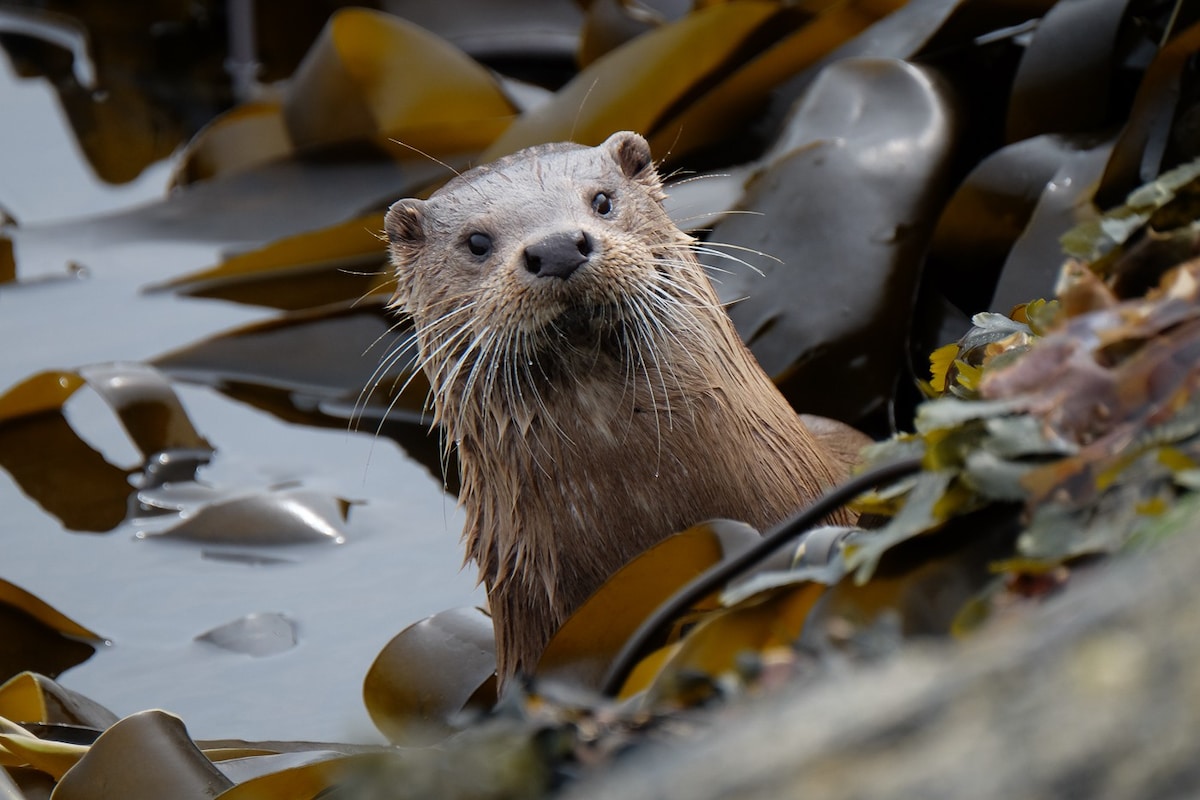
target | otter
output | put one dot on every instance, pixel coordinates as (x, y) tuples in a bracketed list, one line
[(581, 364)]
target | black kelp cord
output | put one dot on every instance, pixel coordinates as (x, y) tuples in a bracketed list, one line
[(707, 582)]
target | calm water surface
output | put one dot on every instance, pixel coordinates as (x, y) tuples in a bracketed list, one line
[(401, 560)]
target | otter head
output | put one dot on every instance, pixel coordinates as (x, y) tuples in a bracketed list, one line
[(555, 247), (540, 213)]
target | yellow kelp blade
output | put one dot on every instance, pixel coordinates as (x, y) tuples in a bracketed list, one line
[(583, 648), (692, 82)]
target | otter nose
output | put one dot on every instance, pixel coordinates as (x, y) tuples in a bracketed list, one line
[(558, 255)]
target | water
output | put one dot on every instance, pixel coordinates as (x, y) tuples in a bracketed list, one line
[(80, 301)]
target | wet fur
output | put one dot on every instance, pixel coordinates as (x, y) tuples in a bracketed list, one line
[(595, 415)]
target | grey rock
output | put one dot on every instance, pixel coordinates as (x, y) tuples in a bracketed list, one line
[(1093, 695)]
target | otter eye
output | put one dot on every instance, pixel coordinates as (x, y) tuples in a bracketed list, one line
[(480, 244), (602, 204)]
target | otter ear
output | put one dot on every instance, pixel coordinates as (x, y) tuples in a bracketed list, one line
[(632, 154), (405, 227)]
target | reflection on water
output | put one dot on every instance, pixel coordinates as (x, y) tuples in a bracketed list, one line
[(152, 598), (61, 31), (43, 174)]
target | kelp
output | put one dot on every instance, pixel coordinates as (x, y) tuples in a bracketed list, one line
[(581, 651), (886, 128), (344, 366), (170, 764), (8, 267), (1082, 409), (62, 471), (254, 634), (36, 701), (167, 487), (339, 263), (151, 755), (538, 38), (695, 80), (426, 682), (919, 169), (353, 87), (997, 243), (134, 86), (38, 637)]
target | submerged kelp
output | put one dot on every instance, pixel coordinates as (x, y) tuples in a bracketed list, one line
[(916, 169)]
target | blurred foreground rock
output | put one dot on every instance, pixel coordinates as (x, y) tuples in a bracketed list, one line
[(1095, 695)]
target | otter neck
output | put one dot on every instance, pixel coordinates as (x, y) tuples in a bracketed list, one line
[(659, 448)]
